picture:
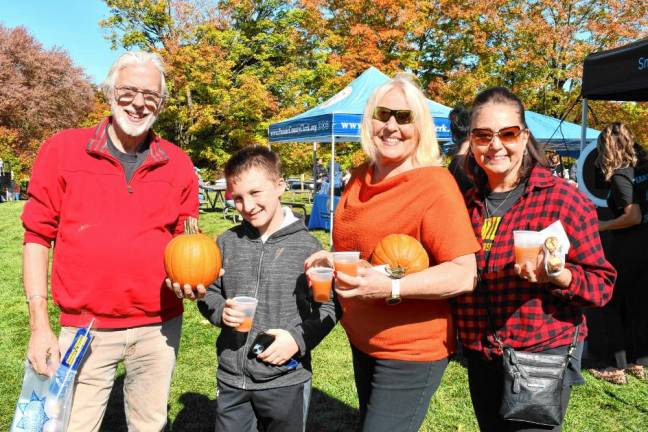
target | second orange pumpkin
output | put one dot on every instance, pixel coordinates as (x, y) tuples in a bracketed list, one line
[(402, 253)]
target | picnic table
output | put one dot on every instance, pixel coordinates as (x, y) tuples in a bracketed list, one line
[(213, 194)]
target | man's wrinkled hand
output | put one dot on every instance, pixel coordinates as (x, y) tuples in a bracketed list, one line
[(43, 351)]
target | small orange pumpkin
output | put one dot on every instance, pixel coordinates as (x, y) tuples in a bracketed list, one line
[(402, 253), (192, 258)]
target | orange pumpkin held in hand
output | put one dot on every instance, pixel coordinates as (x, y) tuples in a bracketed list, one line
[(192, 258), (402, 253)]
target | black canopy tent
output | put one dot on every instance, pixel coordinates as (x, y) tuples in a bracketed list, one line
[(619, 74)]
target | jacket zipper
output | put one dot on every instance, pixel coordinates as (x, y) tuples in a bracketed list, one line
[(256, 293)]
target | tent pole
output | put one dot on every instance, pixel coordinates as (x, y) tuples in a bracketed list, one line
[(583, 124), (332, 184), (314, 170)]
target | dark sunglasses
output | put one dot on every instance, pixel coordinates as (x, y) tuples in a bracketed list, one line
[(507, 135), (402, 116)]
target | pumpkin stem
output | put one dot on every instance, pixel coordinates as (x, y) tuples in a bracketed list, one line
[(191, 225), (396, 272)]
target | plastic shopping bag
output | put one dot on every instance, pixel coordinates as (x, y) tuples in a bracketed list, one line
[(44, 403)]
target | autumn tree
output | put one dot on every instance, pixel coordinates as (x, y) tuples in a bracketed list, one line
[(233, 67), (41, 92)]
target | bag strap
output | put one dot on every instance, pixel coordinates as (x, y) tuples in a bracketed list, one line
[(491, 323)]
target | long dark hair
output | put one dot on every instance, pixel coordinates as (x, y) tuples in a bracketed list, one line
[(534, 155)]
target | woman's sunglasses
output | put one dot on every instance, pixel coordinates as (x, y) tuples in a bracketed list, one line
[(507, 135), (402, 116)]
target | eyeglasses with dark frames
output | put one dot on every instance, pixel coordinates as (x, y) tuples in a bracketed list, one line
[(507, 135), (127, 95), (401, 116)]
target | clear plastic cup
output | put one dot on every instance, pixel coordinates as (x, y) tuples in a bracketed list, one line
[(321, 283), (347, 263), (248, 306), (528, 245)]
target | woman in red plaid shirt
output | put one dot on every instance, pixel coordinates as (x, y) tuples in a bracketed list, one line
[(530, 310)]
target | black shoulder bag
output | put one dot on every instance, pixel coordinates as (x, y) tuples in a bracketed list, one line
[(533, 382)]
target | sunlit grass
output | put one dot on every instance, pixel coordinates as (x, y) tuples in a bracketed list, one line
[(597, 406)]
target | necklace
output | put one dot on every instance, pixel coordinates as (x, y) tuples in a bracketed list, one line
[(487, 203)]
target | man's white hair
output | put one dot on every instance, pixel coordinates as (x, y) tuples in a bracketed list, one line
[(134, 58)]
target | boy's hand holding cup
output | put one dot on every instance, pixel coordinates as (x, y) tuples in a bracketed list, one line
[(239, 313)]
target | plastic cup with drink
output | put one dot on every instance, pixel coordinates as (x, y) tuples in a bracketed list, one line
[(347, 263), (247, 305), (321, 283), (528, 245)]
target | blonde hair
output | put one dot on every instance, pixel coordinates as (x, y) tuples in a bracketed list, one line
[(427, 149), (616, 149)]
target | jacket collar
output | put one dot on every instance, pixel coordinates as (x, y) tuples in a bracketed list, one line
[(294, 225), (98, 144)]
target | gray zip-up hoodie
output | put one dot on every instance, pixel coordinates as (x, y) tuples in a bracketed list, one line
[(272, 272)]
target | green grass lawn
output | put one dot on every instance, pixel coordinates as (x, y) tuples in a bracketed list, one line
[(597, 406)]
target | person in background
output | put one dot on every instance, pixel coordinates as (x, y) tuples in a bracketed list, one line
[(400, 330), (16, 191), (555, 164), (625, 350), (460, 128), (529, 309), (110, 198), (573, 172), (346, 177)]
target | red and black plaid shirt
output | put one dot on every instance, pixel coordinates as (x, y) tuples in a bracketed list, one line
[(530, 316)]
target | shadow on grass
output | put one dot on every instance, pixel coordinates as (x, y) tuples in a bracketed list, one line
[(618, 398), (325, 413)]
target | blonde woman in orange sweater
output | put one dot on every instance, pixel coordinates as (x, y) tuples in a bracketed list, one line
[(401, 331)]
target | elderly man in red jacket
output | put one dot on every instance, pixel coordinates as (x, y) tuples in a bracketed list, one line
[(109, 199)]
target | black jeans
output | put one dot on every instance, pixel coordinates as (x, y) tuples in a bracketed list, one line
[(394, 395), (485, 379), (281, 409)]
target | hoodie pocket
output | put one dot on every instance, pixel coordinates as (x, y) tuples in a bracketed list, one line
[(259, 371)]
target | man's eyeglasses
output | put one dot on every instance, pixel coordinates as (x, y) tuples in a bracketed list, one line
[(402, 116), (126, 95), (507, 135)]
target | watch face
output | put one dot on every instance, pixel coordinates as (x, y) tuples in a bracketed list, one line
[(393, 300)]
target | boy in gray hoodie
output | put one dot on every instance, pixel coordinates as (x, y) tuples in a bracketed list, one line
[(264, 258)]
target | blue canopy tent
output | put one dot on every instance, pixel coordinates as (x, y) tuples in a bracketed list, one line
[(562, 137), (339, 118)]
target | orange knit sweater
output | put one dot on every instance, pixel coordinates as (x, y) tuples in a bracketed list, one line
[(426, 204)]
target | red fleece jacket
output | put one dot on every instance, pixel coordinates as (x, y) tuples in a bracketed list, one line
[(109, 236)]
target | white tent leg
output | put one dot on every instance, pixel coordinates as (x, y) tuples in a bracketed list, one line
[(583, 124), (332, 183)]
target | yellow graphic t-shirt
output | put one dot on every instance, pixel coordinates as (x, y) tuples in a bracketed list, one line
[(489, 229)]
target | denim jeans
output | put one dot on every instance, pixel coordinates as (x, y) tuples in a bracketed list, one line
[(394, 395)]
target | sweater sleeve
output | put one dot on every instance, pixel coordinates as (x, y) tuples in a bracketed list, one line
[(446, 231), (593, 276), (46, 188), (309, 332), (212, 305)]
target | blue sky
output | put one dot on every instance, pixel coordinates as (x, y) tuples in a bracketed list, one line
[(69, 24)]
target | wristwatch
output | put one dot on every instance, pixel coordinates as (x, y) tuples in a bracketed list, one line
[(395, 293)]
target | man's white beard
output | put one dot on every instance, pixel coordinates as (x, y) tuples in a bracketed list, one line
[(121, 118)]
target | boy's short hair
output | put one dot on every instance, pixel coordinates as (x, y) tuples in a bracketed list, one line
[(253, 157)]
